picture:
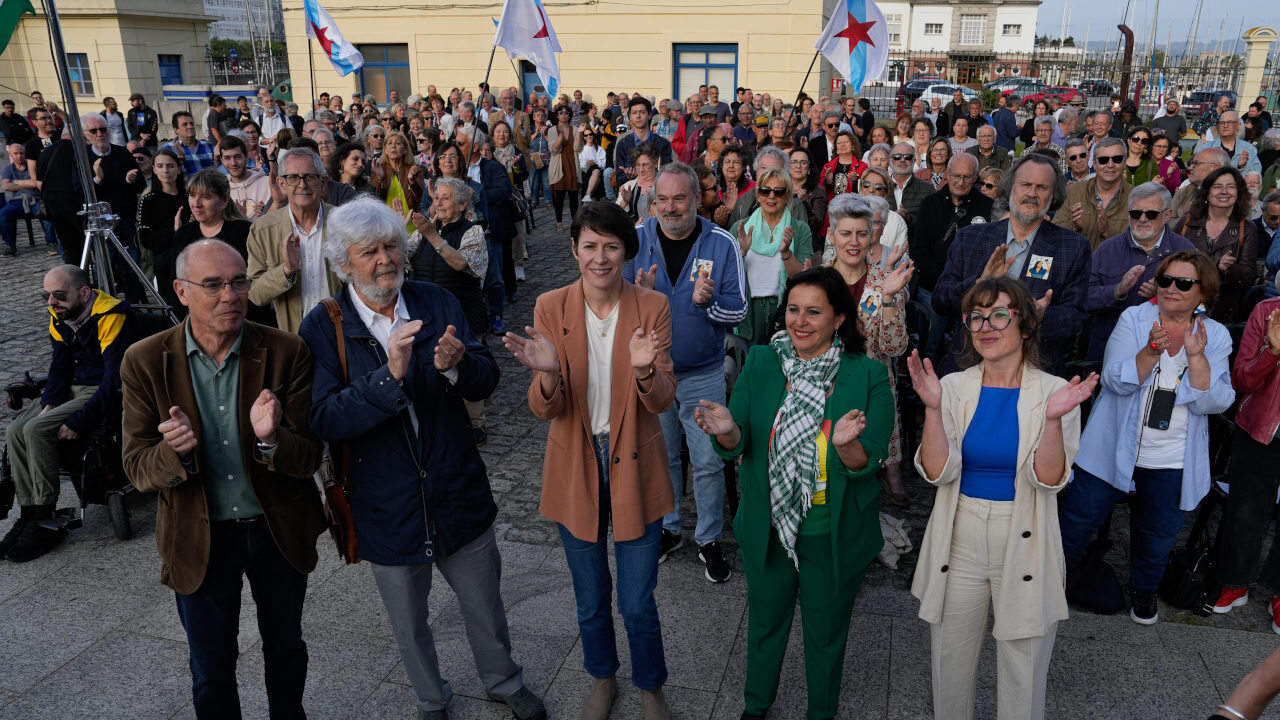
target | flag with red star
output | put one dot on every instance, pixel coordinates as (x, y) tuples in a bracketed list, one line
[(344, 56), (856, 42)]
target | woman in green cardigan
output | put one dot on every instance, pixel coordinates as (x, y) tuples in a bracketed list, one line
[(812, 432)]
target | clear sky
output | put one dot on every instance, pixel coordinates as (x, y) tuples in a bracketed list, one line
[(1098, 18)]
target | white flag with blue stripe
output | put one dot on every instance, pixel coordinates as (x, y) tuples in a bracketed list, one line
[(856, 42)]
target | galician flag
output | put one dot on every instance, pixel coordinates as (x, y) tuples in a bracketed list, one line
[(525, 32), (856, 42), (11, 12), (345, 57)]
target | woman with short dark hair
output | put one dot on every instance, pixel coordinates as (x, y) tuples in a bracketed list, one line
[(992, 541), (810, 421), (602, 373)]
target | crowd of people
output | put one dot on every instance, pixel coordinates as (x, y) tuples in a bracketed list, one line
[(919, 291)]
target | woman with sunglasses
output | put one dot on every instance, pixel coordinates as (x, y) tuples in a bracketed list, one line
[(989, 182), (1139, 166), (811, 422), (591, 161), (805, 187), (374, 136), (1166, 370), (992, 541), (562, 169), (774, 246), (935, 172), (1168, 172), (1218, 225)]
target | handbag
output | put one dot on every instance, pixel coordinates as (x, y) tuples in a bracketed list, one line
[(1094, 585), (335, 471), (1190, 580)]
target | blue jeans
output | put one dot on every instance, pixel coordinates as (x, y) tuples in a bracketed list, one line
[(211, 617), (708, 468), (494, 288), (637, 577), (9, 215), (609, 193), (539, 188), (1154, 520)]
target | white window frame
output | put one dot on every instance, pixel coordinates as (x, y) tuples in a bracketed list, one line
[(1011, 30), (932, 29), (971, 34)]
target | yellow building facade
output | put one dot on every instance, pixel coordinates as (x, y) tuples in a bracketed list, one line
[(663, 49), (114, 48)]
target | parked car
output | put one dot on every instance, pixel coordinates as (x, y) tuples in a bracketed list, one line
[(1013, 83), (1201, 100), (1096, 87), (944, 92), (1064, 95), (910, 90), (1026, 89)]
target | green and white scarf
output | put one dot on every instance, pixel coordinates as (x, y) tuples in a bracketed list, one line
[(767, 242), (793, 453)]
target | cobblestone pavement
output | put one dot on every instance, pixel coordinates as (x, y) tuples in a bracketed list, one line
[(88, 631)]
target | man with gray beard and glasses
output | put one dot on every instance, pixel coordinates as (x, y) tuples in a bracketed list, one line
[(1051, 261)]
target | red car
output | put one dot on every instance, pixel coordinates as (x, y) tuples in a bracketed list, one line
[(1064, 95)]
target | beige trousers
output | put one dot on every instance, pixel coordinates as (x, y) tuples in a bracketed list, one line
[(973, 583)]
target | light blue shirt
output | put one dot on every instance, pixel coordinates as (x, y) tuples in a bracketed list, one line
[(1109, 444), (1252, 165), (1020, 251)]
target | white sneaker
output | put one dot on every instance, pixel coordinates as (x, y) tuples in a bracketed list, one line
[(519, 273)]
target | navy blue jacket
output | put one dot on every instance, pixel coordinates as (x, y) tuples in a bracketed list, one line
[(497, 195), (412, 499), (1068, 277), (90, 356)]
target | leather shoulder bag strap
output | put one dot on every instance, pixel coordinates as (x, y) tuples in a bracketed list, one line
[(342, 449)]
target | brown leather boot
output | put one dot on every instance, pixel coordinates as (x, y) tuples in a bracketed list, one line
[(655, 705), (600, 701)]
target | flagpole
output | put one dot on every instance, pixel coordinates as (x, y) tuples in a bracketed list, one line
[(311, 66), (799, 93), (475, 114)]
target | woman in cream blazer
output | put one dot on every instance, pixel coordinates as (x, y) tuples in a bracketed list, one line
[(993, 538)]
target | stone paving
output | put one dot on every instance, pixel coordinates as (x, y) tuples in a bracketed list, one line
[(88, 631)]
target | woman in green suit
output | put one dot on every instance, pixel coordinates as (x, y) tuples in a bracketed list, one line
[(812, 432)]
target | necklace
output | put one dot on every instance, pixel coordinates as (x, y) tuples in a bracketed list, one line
[(602, 325)]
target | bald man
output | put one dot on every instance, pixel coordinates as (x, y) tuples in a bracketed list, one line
[(89, 331)]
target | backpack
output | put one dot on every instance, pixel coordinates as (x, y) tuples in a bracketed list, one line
[(1190, 580)]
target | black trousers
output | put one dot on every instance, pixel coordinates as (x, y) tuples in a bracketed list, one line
[(1251, 506)]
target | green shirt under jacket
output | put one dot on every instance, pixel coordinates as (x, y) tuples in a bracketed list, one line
[(853, 497)]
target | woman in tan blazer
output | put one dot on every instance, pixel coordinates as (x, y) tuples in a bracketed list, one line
[(602, 374), (993, 537)]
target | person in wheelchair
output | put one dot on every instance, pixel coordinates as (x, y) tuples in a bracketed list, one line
[(89, 330)]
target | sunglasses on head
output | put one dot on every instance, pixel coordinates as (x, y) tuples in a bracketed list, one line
[(1148, 214), (1182, 283), (1107, 159), (771, 191)]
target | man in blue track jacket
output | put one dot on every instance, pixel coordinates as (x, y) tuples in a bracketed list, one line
[(698, 266)]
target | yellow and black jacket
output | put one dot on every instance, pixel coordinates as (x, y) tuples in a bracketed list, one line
[(90, 356)]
